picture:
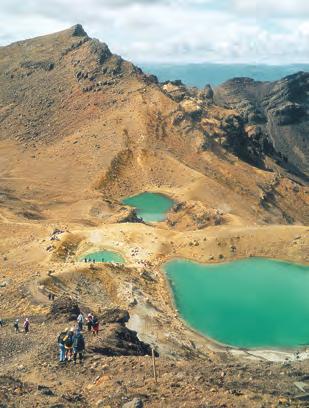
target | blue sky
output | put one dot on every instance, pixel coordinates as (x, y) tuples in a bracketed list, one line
[(145, 31)]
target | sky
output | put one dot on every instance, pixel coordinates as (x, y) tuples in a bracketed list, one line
[(173, 31)]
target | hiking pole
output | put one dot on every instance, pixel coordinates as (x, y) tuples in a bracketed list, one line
[(154, 365)]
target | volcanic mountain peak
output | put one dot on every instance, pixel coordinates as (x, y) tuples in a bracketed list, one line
[(94, 123)]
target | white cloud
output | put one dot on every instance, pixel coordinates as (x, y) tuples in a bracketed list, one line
[(273, 8), (173, 30)]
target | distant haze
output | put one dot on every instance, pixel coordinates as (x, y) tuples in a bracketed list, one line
[(201, 74)]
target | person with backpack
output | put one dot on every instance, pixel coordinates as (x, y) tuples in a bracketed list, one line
[(95, 326), (80, 321), (78, 346), (60, 341), (16, 326), (26, 325), (68, 344), (89, 322)]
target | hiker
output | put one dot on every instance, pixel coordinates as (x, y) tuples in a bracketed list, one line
[(78, 346), (16, 326), (89, 321), (26, 325), (49, 296), (95, 326), (60, 341), (80, 321), (68, 344), (53, 296), (1, 322)]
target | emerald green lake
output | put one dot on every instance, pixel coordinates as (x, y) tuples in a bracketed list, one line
[(103, 256), (152, 207), (250, 303)]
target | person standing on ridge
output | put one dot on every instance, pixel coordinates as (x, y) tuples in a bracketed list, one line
[(80, 321), (78, 346), (16, 326), (95, 326), (68, 344), (26, 325), (60, 341)]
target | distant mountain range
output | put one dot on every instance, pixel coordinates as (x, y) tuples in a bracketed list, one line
[(201, 74)]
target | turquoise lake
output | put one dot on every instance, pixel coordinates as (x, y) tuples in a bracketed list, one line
[(152, 207), (251, 303), (103, 256)]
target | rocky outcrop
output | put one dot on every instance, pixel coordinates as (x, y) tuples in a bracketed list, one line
[(116, 339), (64, 307), (78, 31), (125, 214), (191, 215)]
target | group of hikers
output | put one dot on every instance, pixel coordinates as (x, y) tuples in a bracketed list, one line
[(71, 341), (91, 321), (26, 325)]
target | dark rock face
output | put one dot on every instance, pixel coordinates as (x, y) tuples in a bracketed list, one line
[(101, 50), (78, 31), (65, 307), (277, 115), (288, 113), (115, 316)]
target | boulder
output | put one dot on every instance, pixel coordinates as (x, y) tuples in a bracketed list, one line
[(135, 403), (121, 341)]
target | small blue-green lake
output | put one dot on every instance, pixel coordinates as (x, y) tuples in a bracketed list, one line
[(103, 256), (250, 303), (152, 207)]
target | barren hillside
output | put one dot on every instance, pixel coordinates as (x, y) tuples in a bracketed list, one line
[(80, 129)]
